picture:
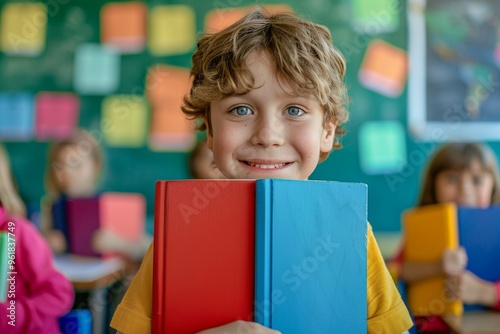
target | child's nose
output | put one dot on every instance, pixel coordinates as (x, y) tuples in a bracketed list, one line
[(466, 193), (268, 132)]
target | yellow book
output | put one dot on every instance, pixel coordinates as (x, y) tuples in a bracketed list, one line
[(428, 231)]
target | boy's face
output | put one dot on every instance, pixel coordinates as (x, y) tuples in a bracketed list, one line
[(268, 133)]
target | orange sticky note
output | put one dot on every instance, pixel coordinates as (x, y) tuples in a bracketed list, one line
[(123, 25), (166, 87), (23, 28), (56, 115), (219, 19), (384, 69), (172, 30)]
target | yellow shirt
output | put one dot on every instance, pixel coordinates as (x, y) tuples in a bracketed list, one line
[(386, 311)]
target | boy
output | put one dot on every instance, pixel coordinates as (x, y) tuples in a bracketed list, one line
[(270, 93)]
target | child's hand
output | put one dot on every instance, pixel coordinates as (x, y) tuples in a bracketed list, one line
[(57, 241), (454, 261), (104, 241), (240, 327), (473, 290)]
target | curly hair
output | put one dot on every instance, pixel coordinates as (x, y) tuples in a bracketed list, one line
[(303, 54)]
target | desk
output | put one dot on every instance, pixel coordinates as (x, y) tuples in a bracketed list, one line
[(476, 322), (93, 275)]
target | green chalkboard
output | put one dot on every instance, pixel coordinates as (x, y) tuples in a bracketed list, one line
[(71, 23)]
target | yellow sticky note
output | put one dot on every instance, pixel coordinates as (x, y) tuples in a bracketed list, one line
[(172, 30), (23, 28), (124, 120)]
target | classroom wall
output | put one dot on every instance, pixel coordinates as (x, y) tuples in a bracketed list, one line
[(135, 169)]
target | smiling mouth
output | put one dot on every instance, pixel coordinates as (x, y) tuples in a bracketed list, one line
[(266, 166)]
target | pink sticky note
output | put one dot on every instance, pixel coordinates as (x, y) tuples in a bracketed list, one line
[(56, 115)]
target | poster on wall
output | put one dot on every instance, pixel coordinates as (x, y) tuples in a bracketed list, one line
[(454, 79)]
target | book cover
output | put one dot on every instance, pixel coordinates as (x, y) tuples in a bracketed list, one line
[(83, 220), (479, 234), (121, 213), (59, 217), (428, 231), (203, 272), (311, 244)]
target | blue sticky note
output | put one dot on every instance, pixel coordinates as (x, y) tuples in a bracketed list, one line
[(16, 116), (311, 239), (97, 69), (382, 147), (479, 234)]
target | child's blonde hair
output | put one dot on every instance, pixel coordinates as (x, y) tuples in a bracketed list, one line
[(459, 156), (302, 52), (9, 197), (84, 145)]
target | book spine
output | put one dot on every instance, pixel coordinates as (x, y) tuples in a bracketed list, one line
[(263, 253), (160, 230)]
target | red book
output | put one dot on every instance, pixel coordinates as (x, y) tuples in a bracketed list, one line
[(203, 272)]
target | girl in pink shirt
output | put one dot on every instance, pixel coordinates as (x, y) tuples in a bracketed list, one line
[(37, 294)]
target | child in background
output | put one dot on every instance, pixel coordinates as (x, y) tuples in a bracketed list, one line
[(270, 92), (73, 170), (202, 164), (465, 174), (41, 293)]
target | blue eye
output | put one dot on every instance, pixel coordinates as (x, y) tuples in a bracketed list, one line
[(295, 111), (242, 111)]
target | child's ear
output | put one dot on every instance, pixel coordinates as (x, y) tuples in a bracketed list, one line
[(328, 136)]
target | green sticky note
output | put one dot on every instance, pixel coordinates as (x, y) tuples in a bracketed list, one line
[(375, 16), (172, 30), (124, 120), (97, 69), (382, 147)]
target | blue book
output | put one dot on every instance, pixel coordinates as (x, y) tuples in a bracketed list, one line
[(59, 217), (311, 242), (479, 234)]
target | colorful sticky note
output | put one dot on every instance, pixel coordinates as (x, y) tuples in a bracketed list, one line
[(56, 115), (23, 28), (123, 26), (382, 147), (172, 30), (97, 69), (375, 16), (124, 120), (384, 69), (170, 130), (16, 116), (219, 19)]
